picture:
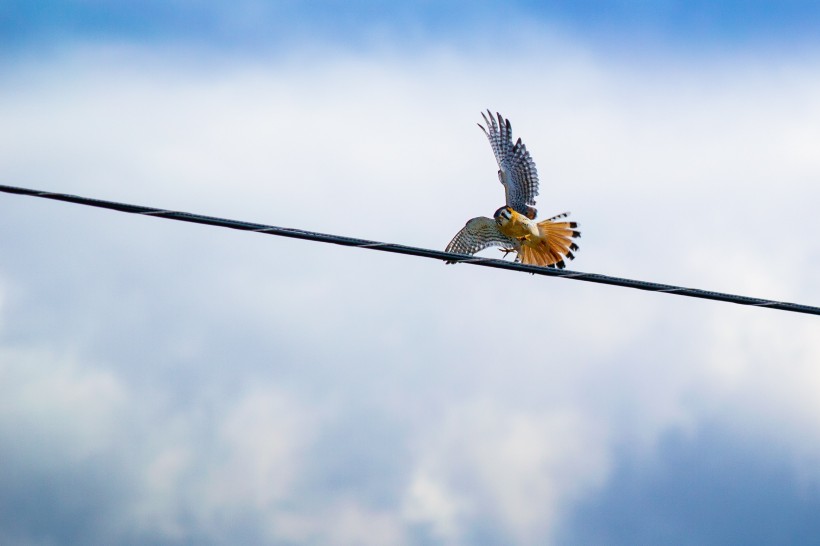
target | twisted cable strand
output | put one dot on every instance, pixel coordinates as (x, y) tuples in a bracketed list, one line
[(414, 251)]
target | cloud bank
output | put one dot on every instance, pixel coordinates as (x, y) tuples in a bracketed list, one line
[(180, 384)]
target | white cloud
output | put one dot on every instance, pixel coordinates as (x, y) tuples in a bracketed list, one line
[(203, 474), (58, 412), (517, 470)]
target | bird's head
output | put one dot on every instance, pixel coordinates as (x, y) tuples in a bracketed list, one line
[(503, 215)]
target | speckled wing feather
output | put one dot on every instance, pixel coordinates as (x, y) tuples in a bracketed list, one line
[(478, 234), (516, 169)]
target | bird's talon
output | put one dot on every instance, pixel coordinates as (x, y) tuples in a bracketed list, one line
[(506, 251)]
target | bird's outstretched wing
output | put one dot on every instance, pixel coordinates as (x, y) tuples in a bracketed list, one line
[(516, 169), (478, 234)]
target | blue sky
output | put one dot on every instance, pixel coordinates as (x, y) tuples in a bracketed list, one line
[(178, 384), (259, 24)]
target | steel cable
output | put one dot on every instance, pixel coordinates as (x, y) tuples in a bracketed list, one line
[(415, 251)]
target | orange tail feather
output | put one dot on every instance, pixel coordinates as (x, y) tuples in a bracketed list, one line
[(557, 238)]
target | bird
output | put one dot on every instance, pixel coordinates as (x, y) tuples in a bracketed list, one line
[(513, 227)]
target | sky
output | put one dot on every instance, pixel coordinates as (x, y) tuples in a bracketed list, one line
[(175, 384)]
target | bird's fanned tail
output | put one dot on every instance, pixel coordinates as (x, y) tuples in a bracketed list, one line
[(557, 238)]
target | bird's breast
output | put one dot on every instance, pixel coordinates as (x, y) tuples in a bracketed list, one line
[(519, 226)]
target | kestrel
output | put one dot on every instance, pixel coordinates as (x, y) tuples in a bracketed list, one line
[(513, 227)]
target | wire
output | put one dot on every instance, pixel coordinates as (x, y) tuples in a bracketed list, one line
[(414, 251)]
